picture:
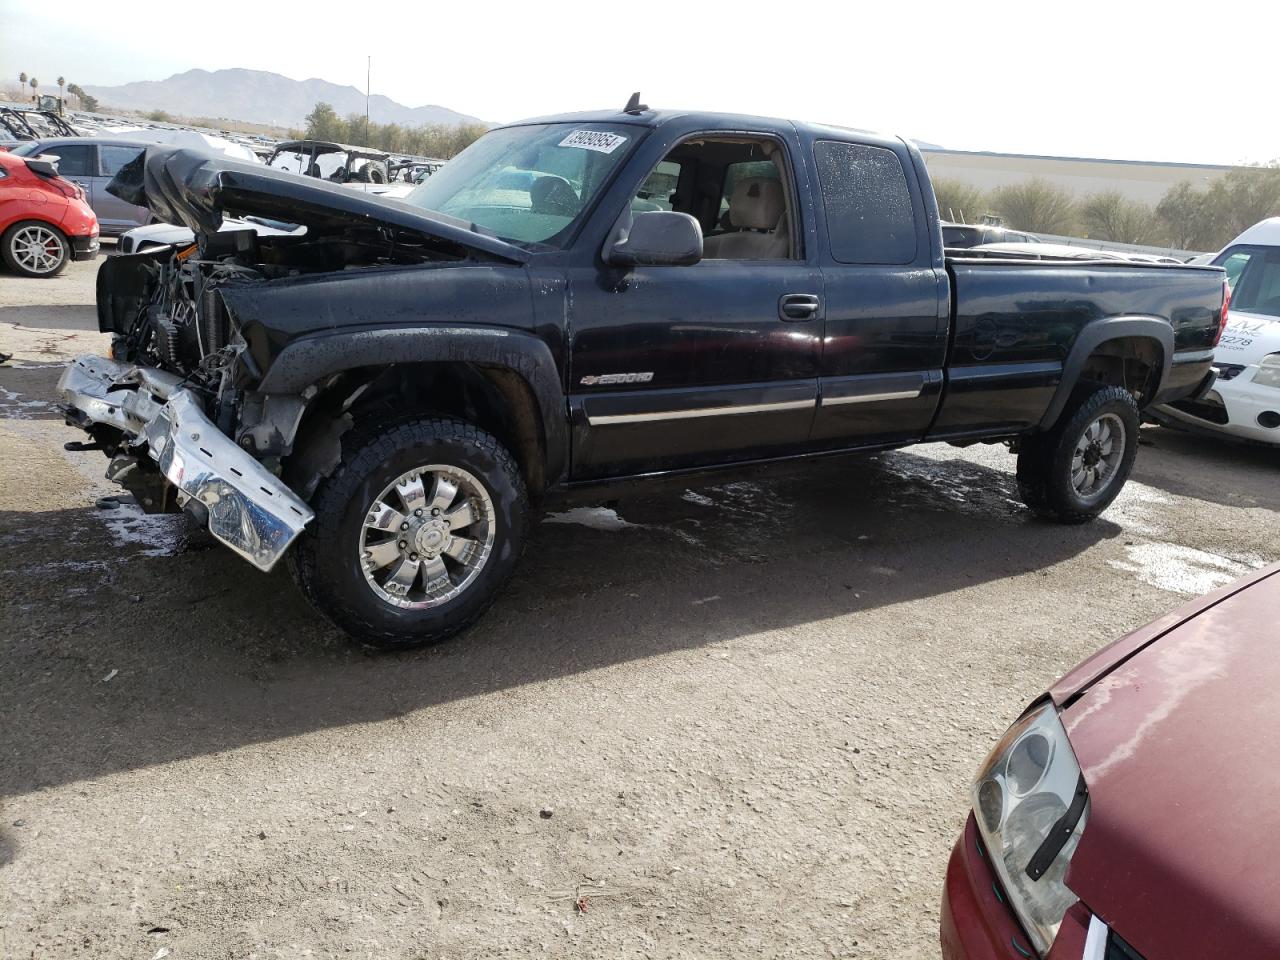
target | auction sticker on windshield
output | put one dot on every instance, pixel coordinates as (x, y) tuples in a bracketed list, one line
[(599, 140)]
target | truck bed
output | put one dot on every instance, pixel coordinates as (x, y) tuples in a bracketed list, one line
[(1016, 323)]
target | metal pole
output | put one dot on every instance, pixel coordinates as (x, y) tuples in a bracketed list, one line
[(368, 73)]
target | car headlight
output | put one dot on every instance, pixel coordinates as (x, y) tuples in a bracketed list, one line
[(1268, 374), (1031, 805)]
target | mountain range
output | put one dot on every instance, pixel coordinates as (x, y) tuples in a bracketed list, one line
[(258, 96)]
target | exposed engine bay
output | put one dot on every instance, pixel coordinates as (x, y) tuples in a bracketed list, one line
[(182, 407), (165, 406)]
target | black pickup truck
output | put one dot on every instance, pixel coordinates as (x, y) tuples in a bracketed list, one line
[(580, 301)]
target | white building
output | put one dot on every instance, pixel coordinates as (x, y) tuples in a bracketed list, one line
[(1136, 179)]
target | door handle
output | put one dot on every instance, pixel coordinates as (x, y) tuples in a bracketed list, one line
[(798, 306)]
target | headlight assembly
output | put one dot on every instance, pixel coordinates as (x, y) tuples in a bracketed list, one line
[(1268, 374), (1031, 805)]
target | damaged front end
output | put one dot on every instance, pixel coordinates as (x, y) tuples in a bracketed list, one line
[(139, 414), (165, 405), (177, 407)]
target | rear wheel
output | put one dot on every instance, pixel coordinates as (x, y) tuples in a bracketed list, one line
[(415, 532), (35, 249), (1072, 472)]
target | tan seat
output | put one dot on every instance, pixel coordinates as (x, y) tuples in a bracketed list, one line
[(758, 212)]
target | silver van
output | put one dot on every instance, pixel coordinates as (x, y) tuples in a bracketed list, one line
[(92, 162)]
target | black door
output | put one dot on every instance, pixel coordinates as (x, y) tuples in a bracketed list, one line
[(678, 367), (886, 300)]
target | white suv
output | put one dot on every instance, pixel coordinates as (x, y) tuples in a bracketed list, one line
[(1245, 400)]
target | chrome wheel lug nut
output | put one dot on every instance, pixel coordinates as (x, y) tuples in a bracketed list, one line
[(418, 512), (404, 526), (435, 511), (403, 544), (413, 556)]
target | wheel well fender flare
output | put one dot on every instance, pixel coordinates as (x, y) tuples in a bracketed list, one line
[(309, 360), (1095, 335)]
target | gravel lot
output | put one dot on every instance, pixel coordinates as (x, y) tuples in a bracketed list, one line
[(736, 720)]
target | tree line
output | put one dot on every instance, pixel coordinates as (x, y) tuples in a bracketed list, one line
[(430, 140), (1188, 217), (32, 84)]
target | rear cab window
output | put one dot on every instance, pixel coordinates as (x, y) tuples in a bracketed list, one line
[(867, 202)]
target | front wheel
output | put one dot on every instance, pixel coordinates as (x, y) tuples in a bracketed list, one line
[(1072, 472), (415, 532), (33, 248)]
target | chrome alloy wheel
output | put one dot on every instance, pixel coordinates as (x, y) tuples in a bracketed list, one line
[(1097, 456), (427, 536), (37, 249)]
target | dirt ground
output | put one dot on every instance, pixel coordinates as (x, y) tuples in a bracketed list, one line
[(737, 720)]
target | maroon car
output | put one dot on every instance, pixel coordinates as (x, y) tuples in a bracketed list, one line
[(1134, 811)]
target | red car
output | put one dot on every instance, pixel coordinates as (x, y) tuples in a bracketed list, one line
[(1134, 812), (45, 221)]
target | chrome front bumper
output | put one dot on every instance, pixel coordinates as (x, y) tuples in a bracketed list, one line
[(249, 509)]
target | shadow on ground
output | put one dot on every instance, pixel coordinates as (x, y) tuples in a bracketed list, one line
[(54, 316), (1214, 469), (23, 387), (204, 655)]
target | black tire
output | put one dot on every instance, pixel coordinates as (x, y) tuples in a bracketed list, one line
[(12, 257), (1045, 461), (326, 559)]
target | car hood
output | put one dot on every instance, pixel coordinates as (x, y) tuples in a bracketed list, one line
[(1177, 741), (197, 189), (1248, 338)]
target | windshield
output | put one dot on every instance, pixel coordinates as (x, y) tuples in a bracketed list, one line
[(1253, 274), (528, 184)]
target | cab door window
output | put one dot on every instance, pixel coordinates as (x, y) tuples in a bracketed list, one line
[(738, 188), (659, 188)]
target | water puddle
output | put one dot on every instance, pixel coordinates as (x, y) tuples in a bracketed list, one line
[(1183, 570)]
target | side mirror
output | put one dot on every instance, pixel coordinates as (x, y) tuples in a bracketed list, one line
[(659, 238)]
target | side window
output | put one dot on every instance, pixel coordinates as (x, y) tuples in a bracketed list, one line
[(867, 203), (74, 159), (111, 159), (1257, 280), (657, 190), (734, 188)]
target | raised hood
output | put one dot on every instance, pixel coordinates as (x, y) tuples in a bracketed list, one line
[(197, 189), (1179, 744)]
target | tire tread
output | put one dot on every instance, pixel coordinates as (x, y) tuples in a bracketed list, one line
[(1043, 485), (363, 450)]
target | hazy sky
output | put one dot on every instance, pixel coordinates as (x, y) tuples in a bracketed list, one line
[(1122, 79)]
